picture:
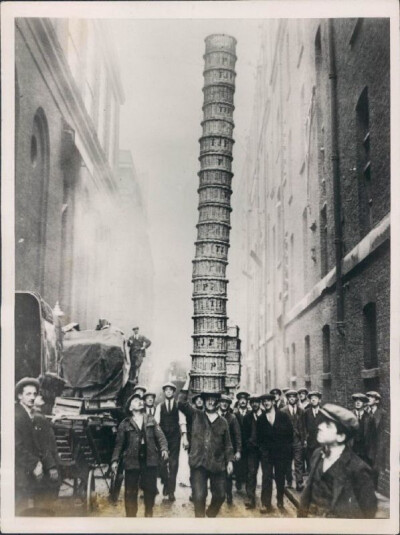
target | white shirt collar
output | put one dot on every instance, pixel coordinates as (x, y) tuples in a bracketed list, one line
[(212, 416)]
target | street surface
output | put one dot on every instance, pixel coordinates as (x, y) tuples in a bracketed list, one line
[(181, 508)]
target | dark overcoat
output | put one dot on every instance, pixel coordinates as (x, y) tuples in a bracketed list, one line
[(353, 494), (375, 439), (128, 441), (297, 422), (234, 431), (27, 448), (275, 441), (311, 424)]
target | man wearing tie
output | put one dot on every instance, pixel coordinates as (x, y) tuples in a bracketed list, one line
[(376, 443), (149, 399), (295, 414), (173, 424), (275, 439), (240, 467), (312, 418), (252, 449)]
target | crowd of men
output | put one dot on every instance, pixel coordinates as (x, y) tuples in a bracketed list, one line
[(334, 453)]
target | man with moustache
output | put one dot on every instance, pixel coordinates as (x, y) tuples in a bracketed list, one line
[(240, 467), (236, 438), (311, 419), (139, 441), (252, 449), (275, 439), (211, 452), (295, 414), (173, 424)]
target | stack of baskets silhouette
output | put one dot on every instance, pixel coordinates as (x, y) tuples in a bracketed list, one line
[(213, 228)]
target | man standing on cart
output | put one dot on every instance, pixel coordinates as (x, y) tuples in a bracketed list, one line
[(137, 351), (139, 441)]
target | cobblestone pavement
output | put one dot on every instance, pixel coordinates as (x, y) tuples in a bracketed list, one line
[(181, 508)]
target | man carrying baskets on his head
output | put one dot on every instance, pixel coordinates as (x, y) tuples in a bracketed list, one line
[(211, 452)]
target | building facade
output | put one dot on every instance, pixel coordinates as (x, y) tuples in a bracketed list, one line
[(70, 201), (316, 216)]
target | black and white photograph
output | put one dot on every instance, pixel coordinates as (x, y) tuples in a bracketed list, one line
[(199, 291)]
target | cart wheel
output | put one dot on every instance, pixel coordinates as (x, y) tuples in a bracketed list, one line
[(91, 496)]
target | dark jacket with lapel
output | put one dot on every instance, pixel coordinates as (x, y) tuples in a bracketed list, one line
[(128, 442), (250, 431), (353, 493), (275, 440), (234, 432), (240, 418), (311, 424), (297, 422), (375, 439), (361, 440), (27, 448)]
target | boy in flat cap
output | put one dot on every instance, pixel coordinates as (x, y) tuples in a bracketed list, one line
[(211, 452), (340, 484), (240, 467), (173, 423), (295, 414), (376, 436), (236, 438), (139, 441), (361, 437)]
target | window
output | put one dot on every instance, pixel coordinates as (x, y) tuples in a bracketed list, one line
[(370, 336), (364, 162), (326, 349), (324, 241), (307, 355)]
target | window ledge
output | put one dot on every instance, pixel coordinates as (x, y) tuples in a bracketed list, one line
[(327, 376), (370, 373)]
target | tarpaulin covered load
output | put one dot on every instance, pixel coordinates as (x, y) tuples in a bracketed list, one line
[(96, 363)]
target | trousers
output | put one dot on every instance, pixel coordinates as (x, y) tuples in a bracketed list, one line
[(253, 463), (174, 446), (297, 458), (200, 477), (147, 477), (271, 467)]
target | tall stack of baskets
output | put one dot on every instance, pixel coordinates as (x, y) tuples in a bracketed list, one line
[(209, 266)]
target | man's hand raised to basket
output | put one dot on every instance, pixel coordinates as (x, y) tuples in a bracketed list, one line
[(164, 455)]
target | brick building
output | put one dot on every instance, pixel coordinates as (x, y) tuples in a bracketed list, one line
[(316, 212), (71, 204)]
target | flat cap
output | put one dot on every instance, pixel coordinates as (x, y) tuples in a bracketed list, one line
[(291, 392), (314, 393), (373, 394), (284, 390), (360, 396), (146, 394), (226, 398), (171, 385), (132, 396), (26, 381), (195, 397), (304, 389), (276, 391), (342, 416), (210, 394), (254, 397), (243, 393), (139, 387), (267, 396), (135, 328)]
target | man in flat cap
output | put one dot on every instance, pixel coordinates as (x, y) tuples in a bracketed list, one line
[(295, 414), (137, 344), (312, 418), (139, 442), (236, 438), (278, 401), (376, 436), (361, 437), (173, 423), (275, 438), (240, 467), (211, 452), (251, 449), (340, 484), (303, 401), (149, 399), (36, 468)]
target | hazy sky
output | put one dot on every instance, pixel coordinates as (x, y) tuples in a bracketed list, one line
[(162, 74)]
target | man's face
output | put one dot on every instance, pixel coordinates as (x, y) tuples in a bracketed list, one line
[(140, 391), (224, 405), (28, 395), (292, 400), (314, 400), (302, 396), (210, 403), (277, 396), (169, 392), (255, 405), (136, 404), (268, 403), (358, 404), (149, 401), (372, 401), (328, 434), (135, 332), (199, 403), (242, 402)]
